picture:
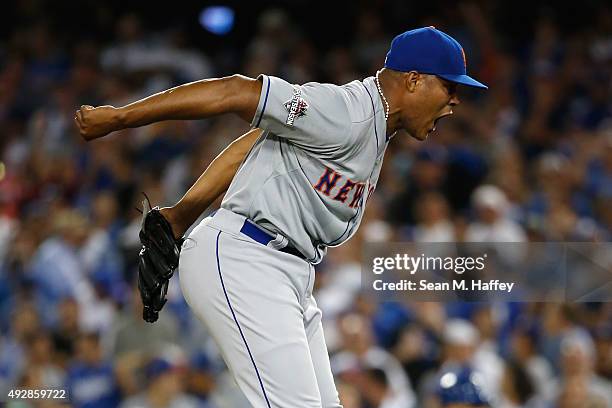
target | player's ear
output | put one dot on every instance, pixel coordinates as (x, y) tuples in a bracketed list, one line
[(411, 80)]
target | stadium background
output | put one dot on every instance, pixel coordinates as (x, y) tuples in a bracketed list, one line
[(529, 160)]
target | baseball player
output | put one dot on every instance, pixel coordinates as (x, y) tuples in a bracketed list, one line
[(247, 272)]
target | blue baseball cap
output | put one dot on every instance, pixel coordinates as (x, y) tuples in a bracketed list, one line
[(430, 51), (157, 367)]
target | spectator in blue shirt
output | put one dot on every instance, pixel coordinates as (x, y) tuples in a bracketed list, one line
[(91, 379)]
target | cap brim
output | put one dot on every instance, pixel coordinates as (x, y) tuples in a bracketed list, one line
[(464, 80)]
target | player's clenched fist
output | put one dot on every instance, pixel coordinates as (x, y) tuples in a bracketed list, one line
[(96, 122)]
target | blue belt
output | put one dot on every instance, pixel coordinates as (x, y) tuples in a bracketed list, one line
[(251, 230)]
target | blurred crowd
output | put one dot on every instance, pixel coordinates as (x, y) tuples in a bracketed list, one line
[(529, 160)]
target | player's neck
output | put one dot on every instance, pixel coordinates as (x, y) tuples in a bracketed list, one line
[(394, 122), (386, 94)]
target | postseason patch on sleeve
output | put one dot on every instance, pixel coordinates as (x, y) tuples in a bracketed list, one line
[(296, 106)]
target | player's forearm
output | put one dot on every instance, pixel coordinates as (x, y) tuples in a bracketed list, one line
[(196, 100), (213, 182)]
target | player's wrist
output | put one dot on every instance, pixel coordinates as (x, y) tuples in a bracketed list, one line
[(171, 214)]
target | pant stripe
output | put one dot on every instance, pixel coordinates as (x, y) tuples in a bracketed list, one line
[(238, 324)]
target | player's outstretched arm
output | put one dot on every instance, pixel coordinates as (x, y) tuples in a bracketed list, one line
[(196, 100), (210, 185)]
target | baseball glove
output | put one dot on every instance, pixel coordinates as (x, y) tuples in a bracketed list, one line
[(158, 259)]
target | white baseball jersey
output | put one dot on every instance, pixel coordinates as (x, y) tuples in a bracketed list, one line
[(306, 180), (309, 175)]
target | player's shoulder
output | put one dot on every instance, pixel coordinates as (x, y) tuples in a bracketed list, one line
[(359, 99), (329, 98), (355, 96), (324, 90)]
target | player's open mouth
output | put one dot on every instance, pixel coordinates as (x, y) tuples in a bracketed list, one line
[(436, 120)]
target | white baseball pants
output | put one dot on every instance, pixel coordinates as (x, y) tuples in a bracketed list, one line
[(257, 304)]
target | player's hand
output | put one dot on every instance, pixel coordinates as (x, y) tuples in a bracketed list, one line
[(96, 122)]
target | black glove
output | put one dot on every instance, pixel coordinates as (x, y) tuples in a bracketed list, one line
[(158, 259)]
